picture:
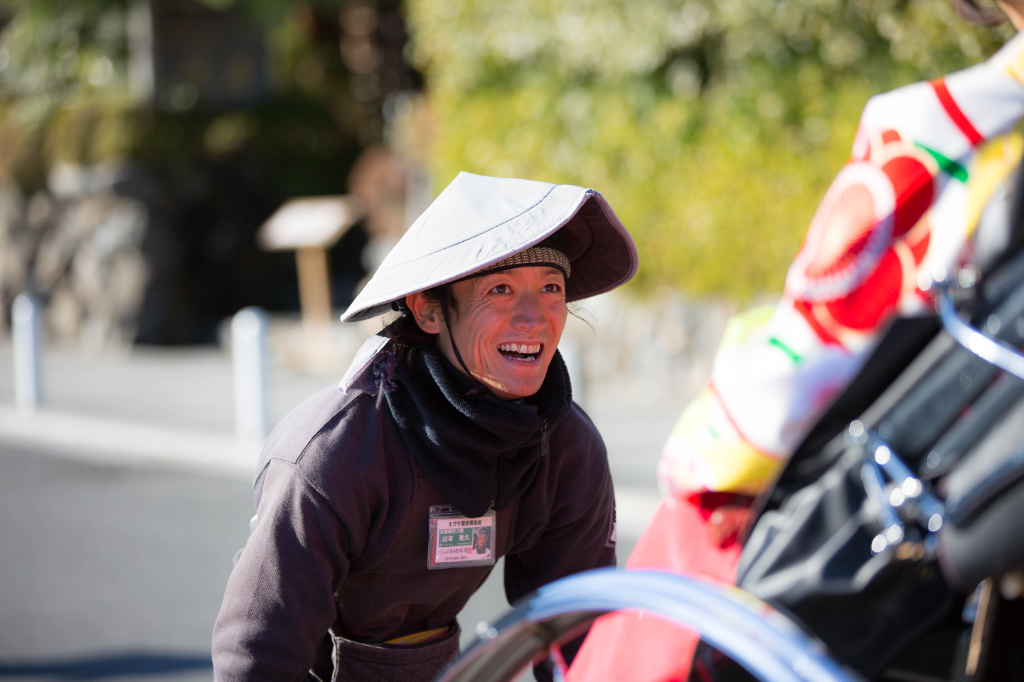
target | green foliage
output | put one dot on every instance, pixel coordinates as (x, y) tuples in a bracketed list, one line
[(713, 128), (59, 51), (62, 74), (65, 96)]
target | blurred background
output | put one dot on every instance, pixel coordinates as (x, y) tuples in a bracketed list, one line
[(145, 145)]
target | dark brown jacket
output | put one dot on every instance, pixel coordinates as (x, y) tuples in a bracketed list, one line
[(340, 538)]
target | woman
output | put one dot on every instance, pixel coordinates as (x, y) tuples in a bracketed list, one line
[(925, 192), (456, 421)]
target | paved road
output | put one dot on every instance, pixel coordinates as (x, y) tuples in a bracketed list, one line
[(112, 571)]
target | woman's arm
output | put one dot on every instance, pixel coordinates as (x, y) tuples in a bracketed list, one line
[(279, 601)]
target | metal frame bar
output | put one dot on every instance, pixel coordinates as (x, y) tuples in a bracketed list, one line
[(764, 641), (993, 351)]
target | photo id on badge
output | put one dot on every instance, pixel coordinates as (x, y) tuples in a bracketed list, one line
[(457, 541)]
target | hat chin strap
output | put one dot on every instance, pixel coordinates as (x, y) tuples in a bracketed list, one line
[(480, 388)]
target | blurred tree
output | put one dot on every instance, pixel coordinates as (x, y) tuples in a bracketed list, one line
[(713, 127), (54, 57), (212, 168), (66, 94)]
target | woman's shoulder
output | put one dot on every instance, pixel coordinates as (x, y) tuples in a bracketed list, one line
[(325, 419), (334, 418), (343, 446)]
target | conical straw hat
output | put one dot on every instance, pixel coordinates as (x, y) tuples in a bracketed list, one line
[(478, 221)]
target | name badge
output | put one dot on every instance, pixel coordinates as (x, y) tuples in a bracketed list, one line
[(457, 541)]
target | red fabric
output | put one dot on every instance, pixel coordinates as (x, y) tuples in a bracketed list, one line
[(724, 514), (920, 247), (915, 191), (955, 114), (865, 307), (628, 647), (848, 221), (824, 335)]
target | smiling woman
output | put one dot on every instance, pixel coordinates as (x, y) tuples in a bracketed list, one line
[(452, 441)]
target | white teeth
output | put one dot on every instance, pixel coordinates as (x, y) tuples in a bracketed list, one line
[(525, 349)]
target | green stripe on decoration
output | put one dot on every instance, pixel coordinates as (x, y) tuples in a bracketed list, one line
[(784, 348), (951, 167)]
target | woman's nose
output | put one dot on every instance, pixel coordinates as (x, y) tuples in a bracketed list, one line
[(528, 314)]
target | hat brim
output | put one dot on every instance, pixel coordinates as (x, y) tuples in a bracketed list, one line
[(600, 250), (606, 257)]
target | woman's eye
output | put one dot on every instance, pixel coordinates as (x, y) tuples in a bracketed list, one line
[(553, 287), (501, 289)]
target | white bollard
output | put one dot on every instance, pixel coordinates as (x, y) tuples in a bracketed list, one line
[(572, 354), (26, 324), (249, 363)]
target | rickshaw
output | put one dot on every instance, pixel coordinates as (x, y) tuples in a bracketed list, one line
[(892, 543)]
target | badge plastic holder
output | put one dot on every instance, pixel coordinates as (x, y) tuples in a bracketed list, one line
[(455, 539)]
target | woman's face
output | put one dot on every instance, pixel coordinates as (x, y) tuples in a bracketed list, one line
[(507, 328)]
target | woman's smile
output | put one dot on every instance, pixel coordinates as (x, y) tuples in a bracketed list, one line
[(521, 352)]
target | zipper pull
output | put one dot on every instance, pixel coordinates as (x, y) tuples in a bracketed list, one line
[(543, 437)]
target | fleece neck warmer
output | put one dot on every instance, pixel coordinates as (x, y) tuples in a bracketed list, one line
[(479, 451)]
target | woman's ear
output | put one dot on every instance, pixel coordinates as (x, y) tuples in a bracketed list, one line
[(426, 312)]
